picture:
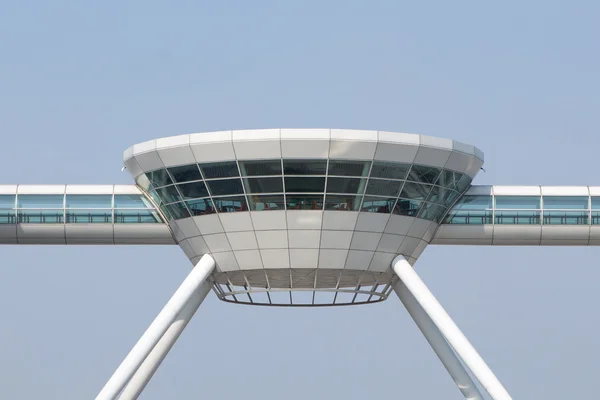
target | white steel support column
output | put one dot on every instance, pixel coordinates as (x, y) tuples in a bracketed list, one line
[(439, 345), (461, 345), (190, 286), (145, 372)]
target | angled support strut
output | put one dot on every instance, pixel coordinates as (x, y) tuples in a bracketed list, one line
[(440, 331), (151, 349)]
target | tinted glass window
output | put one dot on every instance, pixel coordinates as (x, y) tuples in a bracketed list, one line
[(518, 202), (415, 191), (382, 187), (193, 190), (349, 168), (200, 207), (7, 201), (441, 195), (159, 178), (389, 170), (342, 203), (230, 204), (474, 203), (378, 204), (421, 173), (407, 207), (432, 212), (449, 179), (263, 185), (260, 167), (225, 186), (220, 170), (345, 185), (131, 201), (167, 194), (185, 173), (566, 202), (40, 200), (304, 202), (89, 201), (264, 203), (178, 210), (305, 185), (304, 167)]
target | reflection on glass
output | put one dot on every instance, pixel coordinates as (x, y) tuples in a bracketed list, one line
[(224, 187), (266, 202), (159, 178), (342, 203), (263, 185), (380, 187), (407, 207), (89, 201), (220, 170), (40, 216), (464, 183), (595, 203), (416, 191), (7, 217), (304, 185), (7, 201), (40, 201), (185, 173), (143, 182), (178, 210), (345, 185), (304, 202), (167, 194), (349, 168), (136, 217), (565, 217), (88, 216), (389, 170), (517, 202), (200, 206), (260, 168), (566, 202), (230, 204), (304, 167), (471, 210), (431, 212), (378, 204), (423, 174), (131, 201), (441, 195), (518, 217), (449, 179), (193, 190)]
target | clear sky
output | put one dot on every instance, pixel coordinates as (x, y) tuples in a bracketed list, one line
[(82, 81)]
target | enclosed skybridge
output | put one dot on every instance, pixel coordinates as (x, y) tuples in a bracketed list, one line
[(301, 217)]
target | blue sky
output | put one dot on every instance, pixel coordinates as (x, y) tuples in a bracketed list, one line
[(81, 82)]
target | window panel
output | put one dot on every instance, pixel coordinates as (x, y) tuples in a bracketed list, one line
[(304, 202), (517, 202), (167, 194), (260, 168), (442, 195), (220, 170), (474, 203), (408, 207), (193, 190), (263, 185), (40, 200), (224, 187), (178, 210), (432, 212), (143, 182), (88, 216), (89, 201), (342, 203), (464, 183), (468, 217), (517, 217), (40, 216), (417, 191), (268, 202), (230, 204), (424, 174), (201, 206), (381, 187), (159, 178), (566, 202), (378, 204), (304, 185), (7, 201), (185, 173), (304, 167), (389, 170), (7, 217), (136, 217), (566, 218), (132, 201), (349, 168), (449, 179), (345, 185)]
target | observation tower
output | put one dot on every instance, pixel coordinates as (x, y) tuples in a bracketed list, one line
[(301, 217)]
